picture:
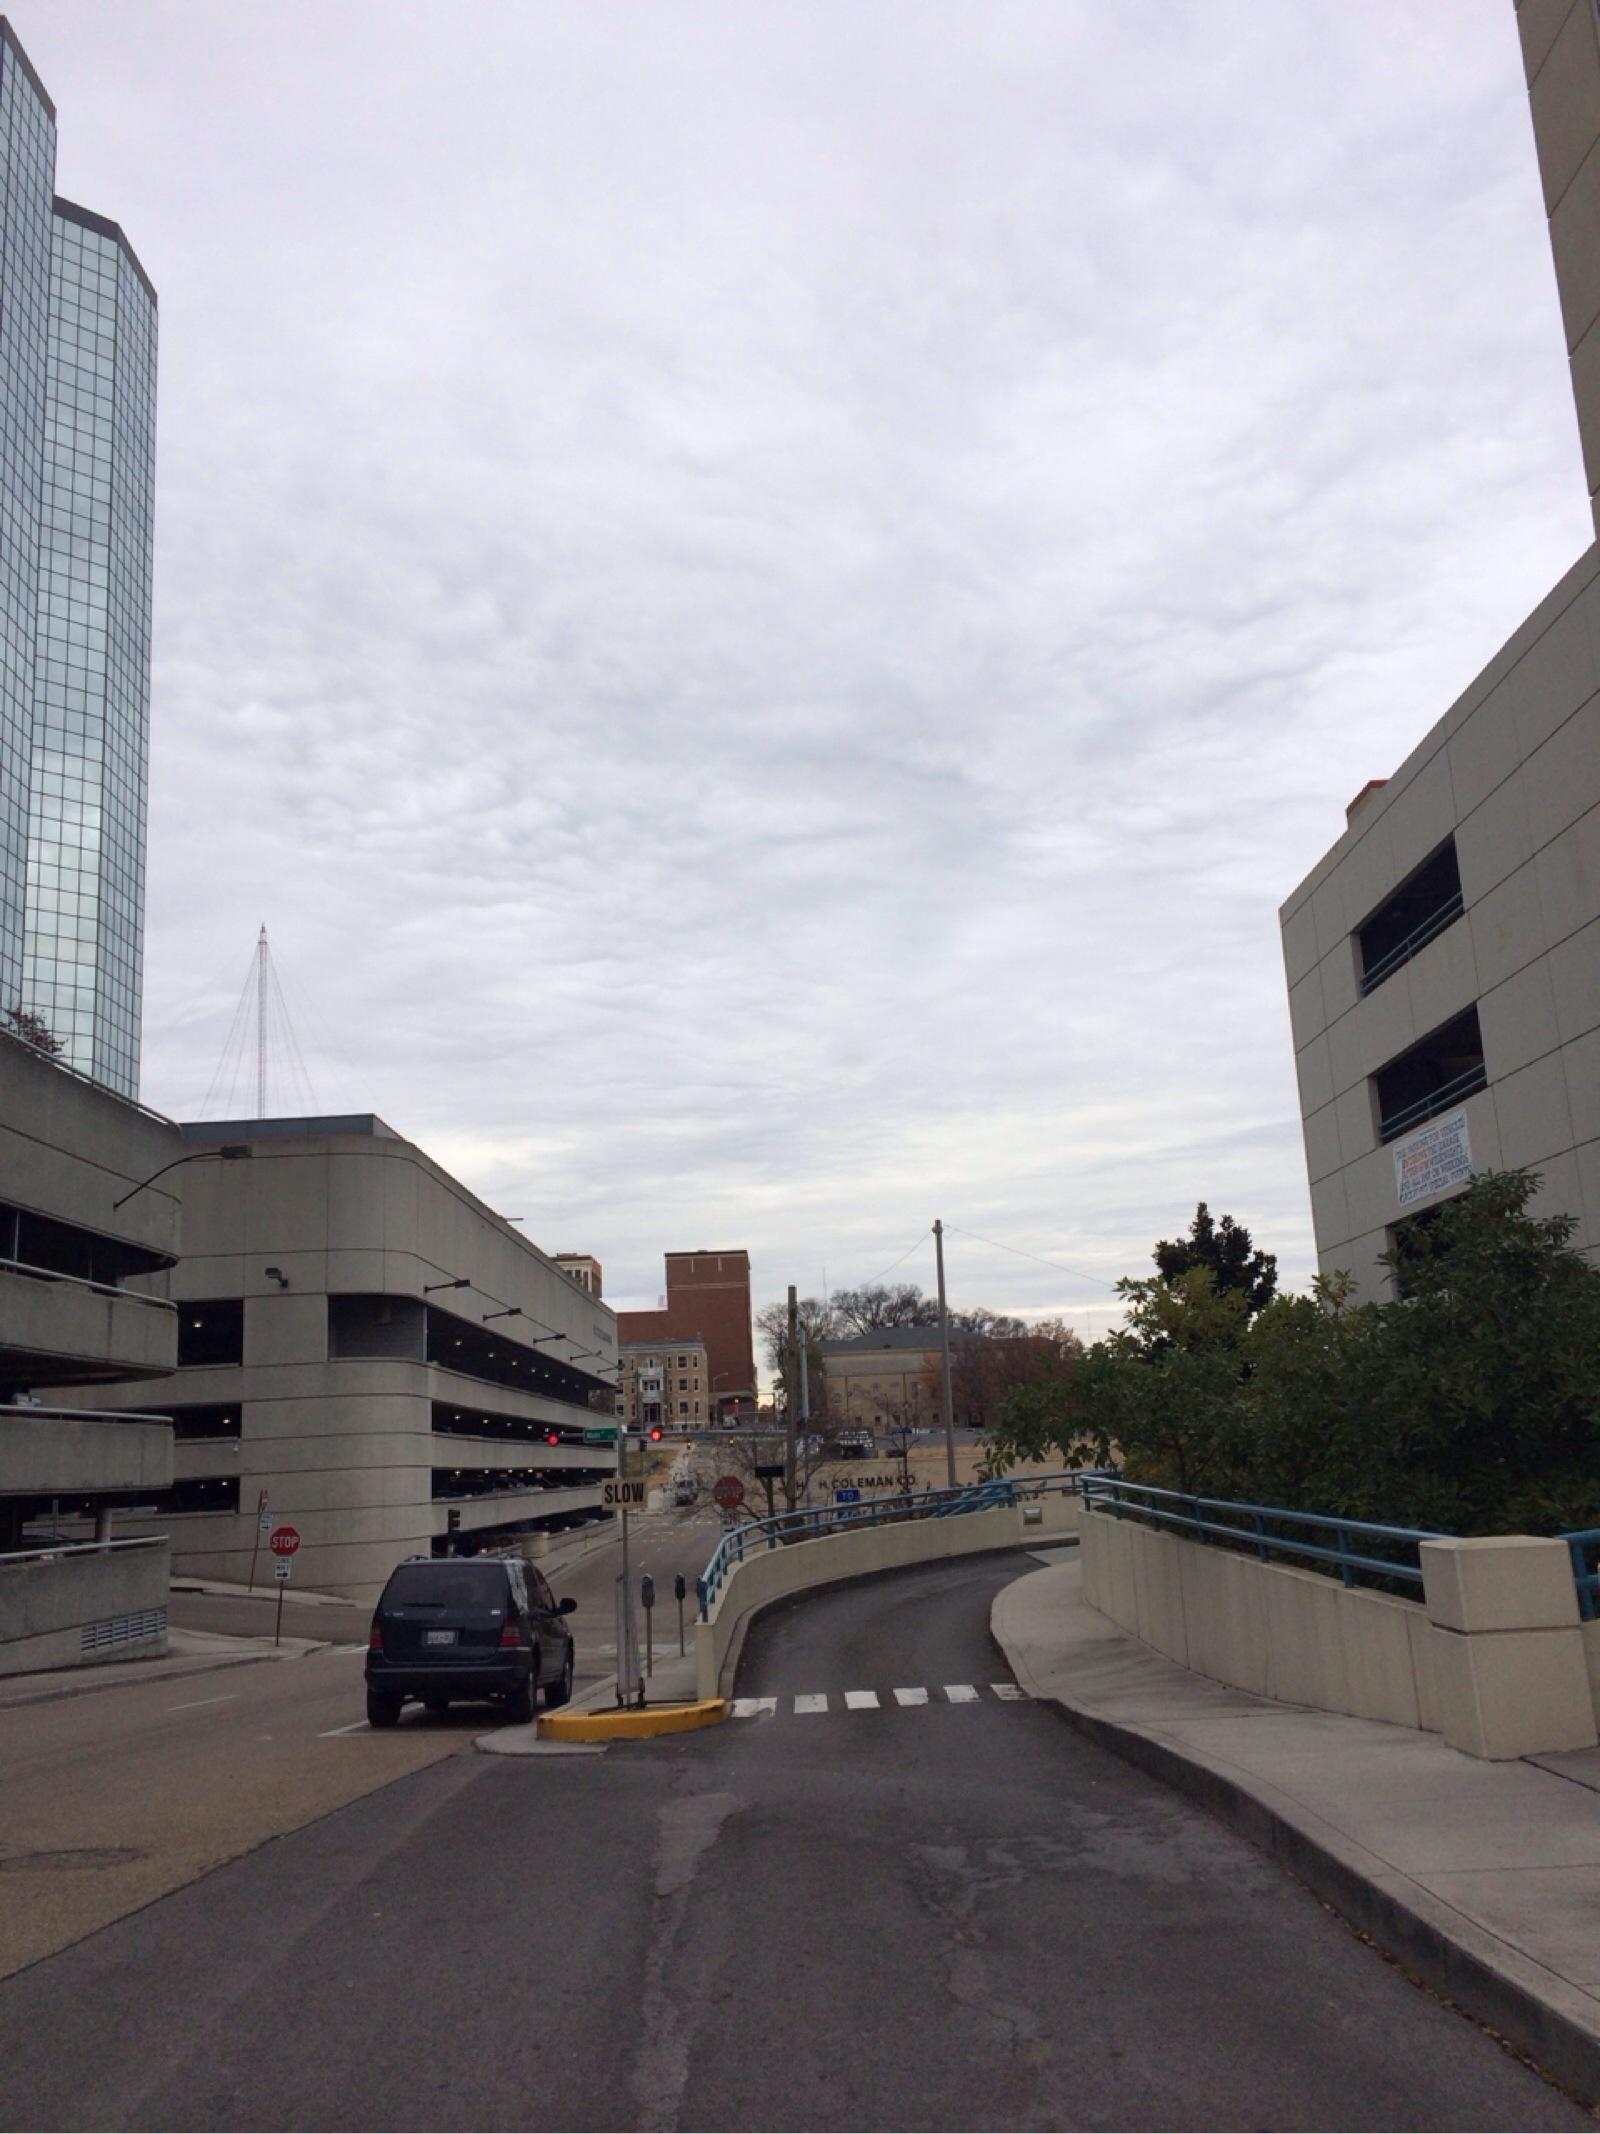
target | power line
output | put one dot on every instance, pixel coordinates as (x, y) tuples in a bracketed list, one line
[(1060, 1265), (893, 1264)]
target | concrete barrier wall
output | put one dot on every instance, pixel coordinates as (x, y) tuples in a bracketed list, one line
[(1491, 1656), (1264, 1627), (771, 1574), (47, 1603)]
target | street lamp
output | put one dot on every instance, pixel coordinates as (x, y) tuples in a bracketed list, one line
[(460, 1281), (514, 1312), (229, 1152)]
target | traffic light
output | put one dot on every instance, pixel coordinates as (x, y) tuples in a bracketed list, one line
[(656, 1433), (552, 1437)]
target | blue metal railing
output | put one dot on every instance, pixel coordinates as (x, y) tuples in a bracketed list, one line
[(1349, 1549), (1584, 1544), (1418, 938), (819, 1520), (1437, 1100)]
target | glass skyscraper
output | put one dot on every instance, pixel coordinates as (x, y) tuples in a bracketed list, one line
[(77, 474)]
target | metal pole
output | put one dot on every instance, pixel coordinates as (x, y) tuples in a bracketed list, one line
[(791, 1387), (277, 1628), (256, 1551), (261, 1025), (944, 1360)]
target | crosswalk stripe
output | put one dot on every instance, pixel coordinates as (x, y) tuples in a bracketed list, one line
[(861, 1700), (960, 1693), (1010, 1692), (753, 1707), (811, 1704), (911, 1696)]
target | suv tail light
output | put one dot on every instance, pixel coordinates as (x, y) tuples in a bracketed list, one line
[(511, 1635), (375, 1636)]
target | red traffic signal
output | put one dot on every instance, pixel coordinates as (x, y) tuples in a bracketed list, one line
[(656, 1433), (552, 1437)]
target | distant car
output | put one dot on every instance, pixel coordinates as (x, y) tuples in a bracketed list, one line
[(686, 1490), (465, 1629)]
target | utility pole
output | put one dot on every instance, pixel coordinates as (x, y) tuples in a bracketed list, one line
[(944, 1360), (791, 1387)]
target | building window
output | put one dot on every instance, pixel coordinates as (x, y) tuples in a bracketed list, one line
[(202, 1422), (377, 1326), (1426, 902), (683, 1407), (683, 1363), (211, 1332), (214, 1494), (1434, 1074)]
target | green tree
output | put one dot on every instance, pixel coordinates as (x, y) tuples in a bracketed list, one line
[(1226, 1250), (1488, 1361), (1161, 1394)]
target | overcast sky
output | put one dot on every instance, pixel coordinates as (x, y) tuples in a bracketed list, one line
[(768, 599)]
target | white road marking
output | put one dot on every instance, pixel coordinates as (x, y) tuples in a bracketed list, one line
[(811, 1704), (358, 1726), (861, 1700), (960, 1693), (195, 1704), (911, 1696), (755, 1707), (1010, 1692)]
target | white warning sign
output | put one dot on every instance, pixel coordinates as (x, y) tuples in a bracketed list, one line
[(1434, 1159)]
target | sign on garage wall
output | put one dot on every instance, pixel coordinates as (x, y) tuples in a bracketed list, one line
[(1435, 1159)]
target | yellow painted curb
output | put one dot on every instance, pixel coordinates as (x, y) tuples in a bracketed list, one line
[(633, 1725)]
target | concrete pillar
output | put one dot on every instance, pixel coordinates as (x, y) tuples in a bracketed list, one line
[(102, 1523), (1507, 1650)]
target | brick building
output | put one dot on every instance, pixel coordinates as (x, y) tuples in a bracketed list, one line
[(708, 1300)]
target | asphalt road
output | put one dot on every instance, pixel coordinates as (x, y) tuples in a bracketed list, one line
[(950, 1913)]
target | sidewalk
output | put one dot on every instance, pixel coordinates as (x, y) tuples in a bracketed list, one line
[(1482, 1878), (189, 1652)]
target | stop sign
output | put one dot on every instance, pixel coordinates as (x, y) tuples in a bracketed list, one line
[(728, 1492), (284, 1540)]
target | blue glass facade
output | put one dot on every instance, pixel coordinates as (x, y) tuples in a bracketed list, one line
[(80, 464), (27, 172)]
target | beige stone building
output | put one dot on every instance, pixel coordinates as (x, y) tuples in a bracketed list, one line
[(664, 1382), (888, 1376), (1443, 958), (368, 1353)]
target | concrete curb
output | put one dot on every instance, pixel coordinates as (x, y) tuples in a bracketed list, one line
[(1532, 2009), (636, 1723)]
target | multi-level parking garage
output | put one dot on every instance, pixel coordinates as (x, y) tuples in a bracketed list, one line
[(393, 1367)]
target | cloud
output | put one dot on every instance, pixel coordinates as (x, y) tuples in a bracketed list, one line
[(767, 602)]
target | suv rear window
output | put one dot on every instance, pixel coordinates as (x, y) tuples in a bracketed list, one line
[(446, 1585)]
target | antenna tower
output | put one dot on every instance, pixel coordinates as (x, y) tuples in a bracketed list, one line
[(261, 1026)]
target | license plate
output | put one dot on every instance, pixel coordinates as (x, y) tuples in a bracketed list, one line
[(438, 1637)]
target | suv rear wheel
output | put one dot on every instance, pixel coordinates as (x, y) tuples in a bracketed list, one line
[(383, 1707), (519, 1702), (559, 1693)]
